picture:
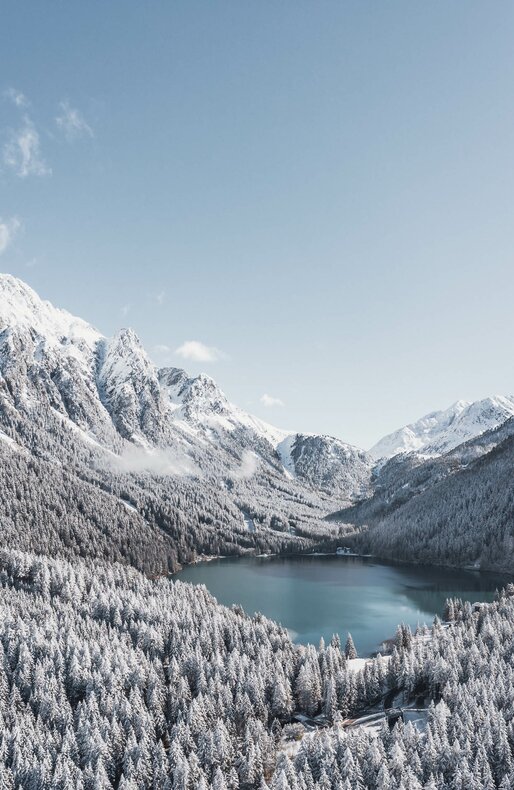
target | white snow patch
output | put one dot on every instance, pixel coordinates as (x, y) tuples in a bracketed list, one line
[(284, 450), (358, 664), (248, 522)]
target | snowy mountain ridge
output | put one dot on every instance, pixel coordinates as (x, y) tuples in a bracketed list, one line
[(199, 402), (109, 388), (441, 431), (21, 306)]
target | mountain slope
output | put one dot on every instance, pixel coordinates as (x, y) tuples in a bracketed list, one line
[(326, 463), (455, 509), (441, 431), (129, 386), (466, 519), (144, 465)]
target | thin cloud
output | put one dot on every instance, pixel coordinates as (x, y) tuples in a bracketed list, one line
[(72, 123), (22, 152), (162, 348), (157, 461), (248, 467), (160, 297), (17, 97), (196, 351), (8, 230), (125, 310), (269, 401)]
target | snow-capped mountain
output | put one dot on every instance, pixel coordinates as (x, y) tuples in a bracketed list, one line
[(441, 431), (21, 307), (327, 463), (111, 391), (129, 386), (103, 454), (198, 404)]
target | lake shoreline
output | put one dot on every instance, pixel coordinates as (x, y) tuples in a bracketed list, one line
[(202, 559), (318, 594)]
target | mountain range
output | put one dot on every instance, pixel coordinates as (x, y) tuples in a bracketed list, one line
[(109, 391), (165, 465), (153, 466), (441, 431)]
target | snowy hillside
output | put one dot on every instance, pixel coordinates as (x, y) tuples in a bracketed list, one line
[(441, 431)]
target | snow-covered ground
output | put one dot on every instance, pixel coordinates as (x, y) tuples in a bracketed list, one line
[(358, 664), (248, 522)]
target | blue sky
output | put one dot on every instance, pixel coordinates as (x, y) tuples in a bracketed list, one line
[(319, 194)]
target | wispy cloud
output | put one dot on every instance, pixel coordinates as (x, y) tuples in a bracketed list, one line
[(199, 352), (248, 467), (72, 123), (162, 348), (157, 461), (22, 152), (269, 401), (17, 97), (8, 230), (125, 310), (160, 297)]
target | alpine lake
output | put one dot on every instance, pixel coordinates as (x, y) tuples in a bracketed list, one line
[(316, 596)]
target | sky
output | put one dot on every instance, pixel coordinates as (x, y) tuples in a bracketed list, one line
[(312, 202)]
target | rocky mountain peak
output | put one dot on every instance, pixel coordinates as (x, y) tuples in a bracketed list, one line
[(441, 431), (20, 306)]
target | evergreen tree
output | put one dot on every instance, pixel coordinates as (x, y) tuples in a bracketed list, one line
[(349, 650)]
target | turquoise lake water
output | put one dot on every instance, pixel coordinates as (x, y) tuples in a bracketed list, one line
[(317, 596)]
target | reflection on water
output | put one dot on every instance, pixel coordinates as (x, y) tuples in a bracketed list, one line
[(316, 596)]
